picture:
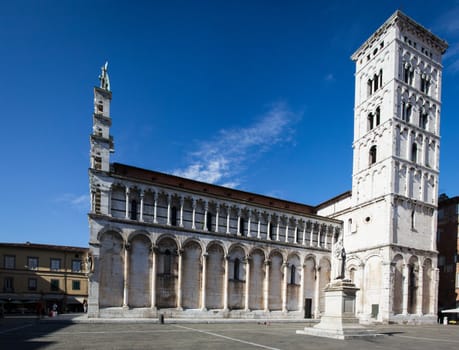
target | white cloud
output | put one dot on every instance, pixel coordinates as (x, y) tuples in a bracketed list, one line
[(224, 158), (79, 202), (449, 24)]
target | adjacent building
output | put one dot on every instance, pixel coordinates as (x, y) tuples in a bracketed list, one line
[(448, 247), (32, 274), (183, 248)]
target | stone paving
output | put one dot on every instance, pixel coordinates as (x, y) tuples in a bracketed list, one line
[(64, 332)]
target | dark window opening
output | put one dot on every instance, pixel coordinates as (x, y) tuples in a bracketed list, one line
[(292, 274), (209, 221), (76, 285), (134, 210), (54, 285), (372, 155), (271, 231), (378, 116), (174, 216), (237, 267), (32, 284), (241, 226), (370, 121), (414, 152), (423, 121)]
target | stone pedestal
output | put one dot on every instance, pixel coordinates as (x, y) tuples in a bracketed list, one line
[(339, 319)]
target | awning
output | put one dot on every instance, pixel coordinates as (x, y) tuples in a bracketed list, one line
[(450, 311)]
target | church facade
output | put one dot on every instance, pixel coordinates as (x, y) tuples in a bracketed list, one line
[(162, 244)]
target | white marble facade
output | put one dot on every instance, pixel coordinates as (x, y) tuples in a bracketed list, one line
[(164, 244)]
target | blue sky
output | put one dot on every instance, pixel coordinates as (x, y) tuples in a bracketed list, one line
[(257, 95)]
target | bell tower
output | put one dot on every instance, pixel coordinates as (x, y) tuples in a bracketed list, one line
[(101, 140), (391, 228), (101, 145)]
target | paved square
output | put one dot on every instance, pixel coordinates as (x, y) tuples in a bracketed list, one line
[(29, 334)]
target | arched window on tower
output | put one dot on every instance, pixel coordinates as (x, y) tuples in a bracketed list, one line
[(406, 111), (370, 121), (423, 120), (375, 82), (133, 209), (372, 155), (369, 88), (414, 152), (378, 116)]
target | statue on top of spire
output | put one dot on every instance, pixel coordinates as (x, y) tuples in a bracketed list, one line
[(104, 79)]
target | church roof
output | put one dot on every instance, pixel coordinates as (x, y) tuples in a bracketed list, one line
[(210, 190)]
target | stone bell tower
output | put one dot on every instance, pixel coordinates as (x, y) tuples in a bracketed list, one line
[(390, 216), (392, 228), (101, 140)]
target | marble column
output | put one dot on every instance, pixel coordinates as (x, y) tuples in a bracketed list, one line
[(317, 294), (203, 282), (169, 199), (179, 281), (228, 212), (247, 283), (284, 286), (266, 286), (249, 223), (142, 194), (406, 277), (155, 208), (193, 214), (206, 209), (126, 276), (420, 291), (127, 203), (153, 277), (225, 284)]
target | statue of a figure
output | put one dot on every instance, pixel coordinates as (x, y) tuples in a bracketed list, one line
[(339, 260), (104, 79)]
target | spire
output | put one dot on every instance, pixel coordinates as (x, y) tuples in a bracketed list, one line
[(104, 79)]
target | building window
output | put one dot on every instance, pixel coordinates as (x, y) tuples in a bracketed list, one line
[(425, 84), (369, 87), (237, 267), (9, 261), (292, 274), (424, 117), (370, 121), (174, 216), (241, 226), (408, 74), (55, 264), (414, 152), (413, 222), (54, 285), (76, 265), (134, 210), (76, 285), (372, 155), (406, 111), (8, 284), (209, 221), (378, 116), (32, 284), (271, 231), (32, 263)]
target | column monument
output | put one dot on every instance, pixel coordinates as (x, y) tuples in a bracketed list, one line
[(339, 320)]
